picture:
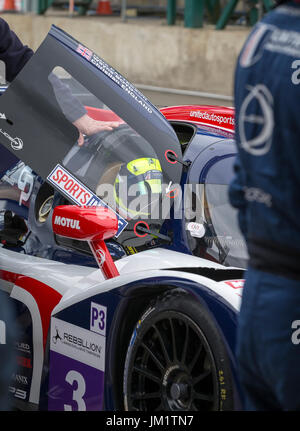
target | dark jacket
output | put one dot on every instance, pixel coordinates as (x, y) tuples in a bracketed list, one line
[(14, 54), (266, 187)]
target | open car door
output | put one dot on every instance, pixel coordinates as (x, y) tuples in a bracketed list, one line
[(39, 109)]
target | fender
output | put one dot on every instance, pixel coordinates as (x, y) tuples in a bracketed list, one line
[(115, 310), (45, 288)]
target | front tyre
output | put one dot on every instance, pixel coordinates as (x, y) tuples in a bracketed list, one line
[(176, 359)]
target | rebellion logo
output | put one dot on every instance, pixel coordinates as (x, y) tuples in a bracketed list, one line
[(76, 341), (81, 343)]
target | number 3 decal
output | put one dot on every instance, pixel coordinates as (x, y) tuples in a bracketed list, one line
[(78, 393)]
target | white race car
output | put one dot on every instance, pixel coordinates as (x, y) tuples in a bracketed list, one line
[(119, 305)]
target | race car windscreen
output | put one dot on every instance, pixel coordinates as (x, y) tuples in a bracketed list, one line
[(84, 128), (215, 231), (110, 157)]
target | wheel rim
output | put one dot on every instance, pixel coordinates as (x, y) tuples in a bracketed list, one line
[(172, 367)]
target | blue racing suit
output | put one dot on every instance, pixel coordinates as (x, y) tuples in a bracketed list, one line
[(266, 191)]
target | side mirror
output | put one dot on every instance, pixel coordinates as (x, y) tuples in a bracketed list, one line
[(93, 224)]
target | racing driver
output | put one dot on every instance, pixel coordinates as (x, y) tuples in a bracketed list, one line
[(141, 171)]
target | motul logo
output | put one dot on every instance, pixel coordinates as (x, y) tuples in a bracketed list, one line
[(68, 222)]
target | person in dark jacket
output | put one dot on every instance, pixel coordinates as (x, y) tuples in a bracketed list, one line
[(266, 192)]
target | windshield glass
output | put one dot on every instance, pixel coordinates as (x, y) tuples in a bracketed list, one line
[(226, 241), (110, 158), (214, 232)]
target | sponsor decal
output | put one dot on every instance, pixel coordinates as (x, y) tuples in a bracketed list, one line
[(15, 143), (79, 193), (133, 94), (74, 342), (70, 186), (20, 379), (98, 318), (221, 120), (22, 347), (77, 363), (24, 362), (68, 222), (111, 73), (196, 229)]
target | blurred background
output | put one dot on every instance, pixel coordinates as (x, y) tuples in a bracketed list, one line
[(174, 51)]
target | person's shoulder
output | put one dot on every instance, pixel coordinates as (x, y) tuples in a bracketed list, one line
[(286, 14), (4, 28), (3, 24)]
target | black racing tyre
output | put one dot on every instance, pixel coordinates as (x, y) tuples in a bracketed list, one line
[(176, 359)]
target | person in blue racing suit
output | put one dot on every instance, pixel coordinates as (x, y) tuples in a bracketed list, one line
[(265, 190)]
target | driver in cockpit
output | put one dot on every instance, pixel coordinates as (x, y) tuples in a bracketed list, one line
[(139, 165)]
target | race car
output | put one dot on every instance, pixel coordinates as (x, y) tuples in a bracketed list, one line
[(121, 257)]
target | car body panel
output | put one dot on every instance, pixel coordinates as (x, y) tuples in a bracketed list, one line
[(52, 289)]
